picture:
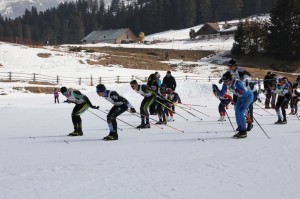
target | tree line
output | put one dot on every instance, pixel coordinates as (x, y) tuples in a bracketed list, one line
[(279, 37), (69, 22)]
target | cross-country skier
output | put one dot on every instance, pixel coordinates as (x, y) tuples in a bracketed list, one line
[(82, 104), (224, 101), (162, 104), (296, 95), (120, 106), (284, 96), (154, 83), (238, 73), (173, 98), (244, 98), (149, 97)]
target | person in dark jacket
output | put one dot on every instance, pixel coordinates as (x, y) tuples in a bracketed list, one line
[(120, 106), (267, 89), (169, 81), (154, 83)]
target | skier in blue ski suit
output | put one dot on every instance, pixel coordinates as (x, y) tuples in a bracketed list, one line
[(245, 98)]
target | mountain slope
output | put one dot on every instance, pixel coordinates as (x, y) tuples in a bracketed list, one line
[(16, 8)]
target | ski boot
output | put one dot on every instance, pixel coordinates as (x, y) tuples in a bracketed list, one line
[(240, 134), (111, 136), (144, 126), (249, 126), (77, 130), (283, 121), (278, 121)]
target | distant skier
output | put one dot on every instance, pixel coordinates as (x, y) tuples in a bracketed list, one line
[(296, 95), (173, 98), (120, 106), (149, 97), (224, 101), (284, 96), (82, 104), (244, 99)]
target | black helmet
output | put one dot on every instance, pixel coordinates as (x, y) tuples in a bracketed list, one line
[(100, 88), (63, 89), (232, 62), (227, 76)]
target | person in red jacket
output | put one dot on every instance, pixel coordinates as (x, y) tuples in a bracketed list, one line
[(224, 101)]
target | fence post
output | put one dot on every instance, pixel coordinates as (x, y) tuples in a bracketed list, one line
[(91, 81), (118, 79), (79, 81), (100, 80), (186, 77), (57, 79), (208, 78), (145, 79), (33, 77), (9, 76), (132, 77)]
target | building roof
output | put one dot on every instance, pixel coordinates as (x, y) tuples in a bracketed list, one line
[(105, 35), (214, 26)]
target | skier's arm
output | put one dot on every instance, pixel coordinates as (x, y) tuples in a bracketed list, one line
[(240, 89), (221, 92), (89, 102)]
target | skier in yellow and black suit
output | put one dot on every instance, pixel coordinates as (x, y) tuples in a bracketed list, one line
[(82, 104)]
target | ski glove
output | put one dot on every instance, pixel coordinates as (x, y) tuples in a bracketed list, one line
[(220, 81), (132, 110)]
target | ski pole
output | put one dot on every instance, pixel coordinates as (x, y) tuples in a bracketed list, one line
[(230, 122), (139, 115), (164, 124), (102, 118), (193, 105), (264, 109), (257, 114), (186, 106), (121, 120), (189, 112), (261, 128), (194, 109), (171, 110)]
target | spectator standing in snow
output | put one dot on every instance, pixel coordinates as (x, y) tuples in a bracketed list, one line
[(169, 81), (56, 95)]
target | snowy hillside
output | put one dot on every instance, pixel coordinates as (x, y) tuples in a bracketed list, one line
[(16, 8)]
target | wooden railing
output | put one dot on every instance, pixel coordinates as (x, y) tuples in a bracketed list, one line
[(35, 77)]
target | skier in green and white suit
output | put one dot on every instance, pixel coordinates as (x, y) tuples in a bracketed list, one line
[(82, 104)]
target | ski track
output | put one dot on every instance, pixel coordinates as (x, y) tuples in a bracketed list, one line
[(36, 162)]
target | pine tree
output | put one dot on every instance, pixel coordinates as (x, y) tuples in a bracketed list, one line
[(283, 40)]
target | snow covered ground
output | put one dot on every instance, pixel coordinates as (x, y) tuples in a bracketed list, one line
[(39, 161)]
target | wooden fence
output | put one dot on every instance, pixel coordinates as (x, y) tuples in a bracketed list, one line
[(39, 78)]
